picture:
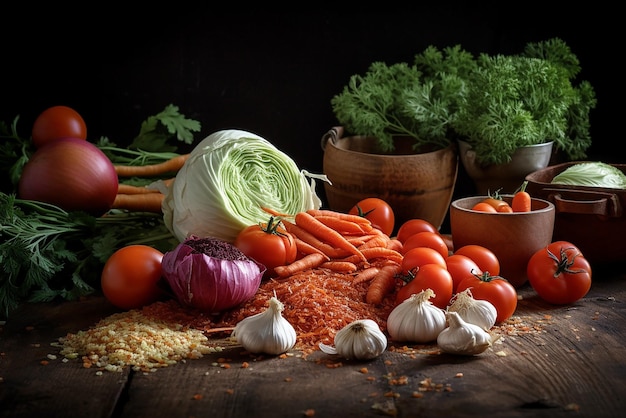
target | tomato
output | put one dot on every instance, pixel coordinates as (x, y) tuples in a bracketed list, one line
[(131, 275), (58, 122), (461, 267), (559, 273), (484, 207), (426, 239), (494, 289), (379, 213), (485, 258), (412, 227), (418, 256), (269, 244), (429, 276)]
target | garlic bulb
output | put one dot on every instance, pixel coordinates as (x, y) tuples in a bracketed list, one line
[(416, 319), (462, 337), (266, 332), (361, 340), (475, 311)]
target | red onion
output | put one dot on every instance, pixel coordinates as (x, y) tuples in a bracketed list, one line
[(210, 274), (70, 173)]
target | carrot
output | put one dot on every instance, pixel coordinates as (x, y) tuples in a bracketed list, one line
[(324, 233), (152, 170), (140, 202), (307, 262), (376, 252), (396, 244), (377, 241), (382, 284), (365, 275), (307, 237), (130, 189), (340, 266), (522, 201), (304, 247), (344, 226), (345, 216)]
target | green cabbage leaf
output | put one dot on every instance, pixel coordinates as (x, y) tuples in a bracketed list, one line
[(228, 179), (594, 174)]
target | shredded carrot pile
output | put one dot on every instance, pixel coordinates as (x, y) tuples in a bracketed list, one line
[(317, 302)]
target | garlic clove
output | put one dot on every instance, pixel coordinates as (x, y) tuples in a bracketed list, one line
[(463, 338)]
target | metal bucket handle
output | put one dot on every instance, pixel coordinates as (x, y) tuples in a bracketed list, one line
[(585, 202), (333, 135)]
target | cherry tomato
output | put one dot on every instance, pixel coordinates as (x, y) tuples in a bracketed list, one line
[(418, 256), (412, 227), (559, 273), (379, 213), (485, 258), (269, 244), (432, 276), (484, 207), (426, 239), (494, 289), (461, 267), (130, 276), (58, 122)]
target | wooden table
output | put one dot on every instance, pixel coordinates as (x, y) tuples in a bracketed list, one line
[(572, 363)]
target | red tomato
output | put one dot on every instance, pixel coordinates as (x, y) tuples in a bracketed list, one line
[(559, 273), (379, 213), (484, 207), (496, 202), (461, 267), (412, 227), (426, 239), (485, 258), (418, 256), (494, 289), (431, 276), (269, 244), (130, 276), (58, 122)]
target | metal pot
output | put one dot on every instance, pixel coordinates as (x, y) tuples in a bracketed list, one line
[(506, 177)]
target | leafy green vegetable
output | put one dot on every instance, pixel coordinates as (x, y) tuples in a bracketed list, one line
[(156, 130), (594, 174), (228, 179), (419, 101), (527, 99), (43, 245)]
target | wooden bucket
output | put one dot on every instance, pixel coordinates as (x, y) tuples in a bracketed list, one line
[(415, 185)]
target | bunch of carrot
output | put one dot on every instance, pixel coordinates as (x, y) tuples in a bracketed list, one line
[(346, 244), (144, 199)]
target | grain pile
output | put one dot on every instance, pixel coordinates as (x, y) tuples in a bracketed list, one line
[(153, 337)]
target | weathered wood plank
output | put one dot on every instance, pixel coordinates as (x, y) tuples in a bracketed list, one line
[(573, 361)]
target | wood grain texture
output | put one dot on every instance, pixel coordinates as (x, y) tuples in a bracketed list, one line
[(572, 364)]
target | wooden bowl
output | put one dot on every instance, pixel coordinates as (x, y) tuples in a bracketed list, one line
[(513, 237)]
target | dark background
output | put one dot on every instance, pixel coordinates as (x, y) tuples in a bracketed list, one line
[(270, 73)]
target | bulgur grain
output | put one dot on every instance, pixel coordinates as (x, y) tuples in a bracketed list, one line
[(136, 338)]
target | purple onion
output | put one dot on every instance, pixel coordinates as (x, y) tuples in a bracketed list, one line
[(210, 274)]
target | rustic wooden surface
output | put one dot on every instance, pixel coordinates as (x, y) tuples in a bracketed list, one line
[(574, 365)]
